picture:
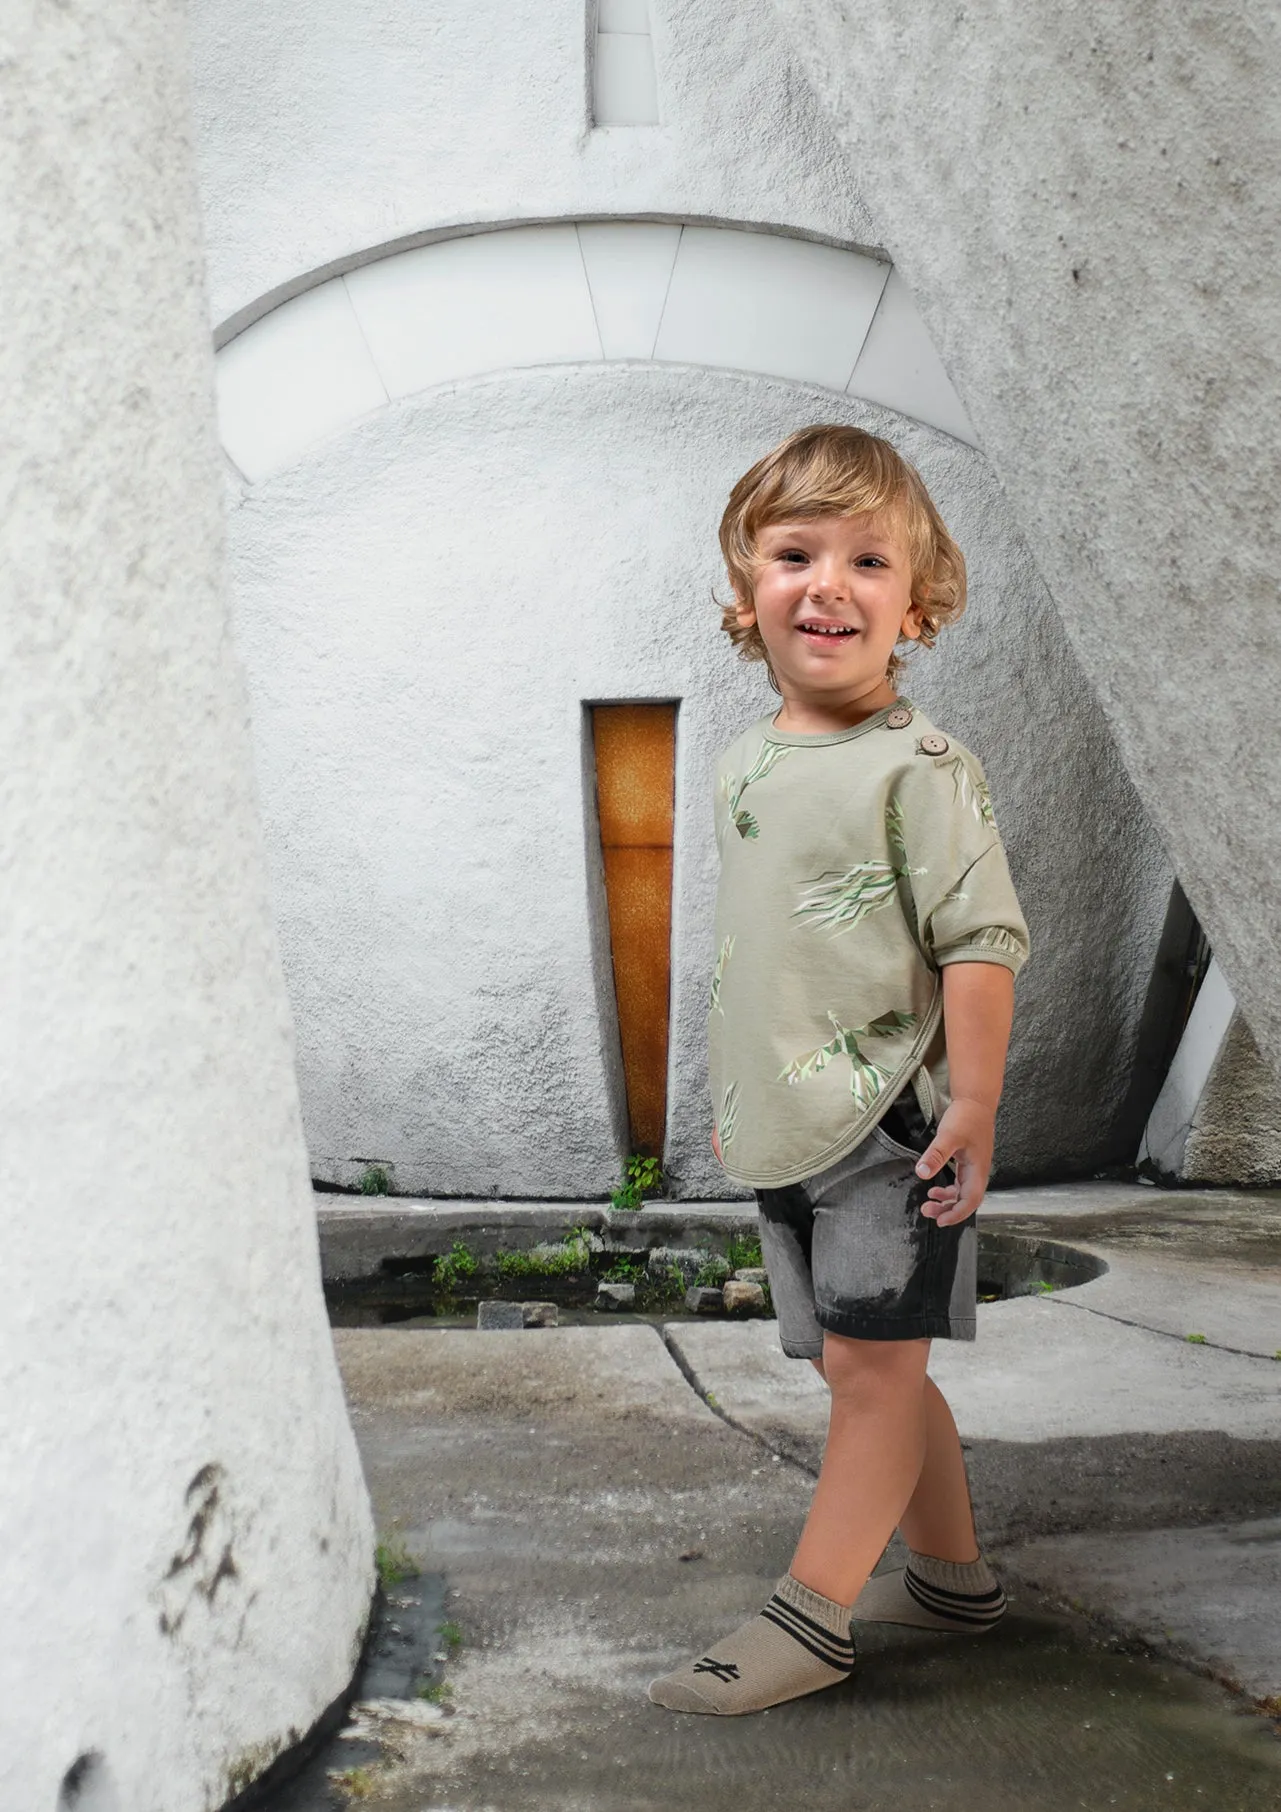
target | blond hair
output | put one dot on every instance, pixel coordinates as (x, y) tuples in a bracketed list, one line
[(828, 470)]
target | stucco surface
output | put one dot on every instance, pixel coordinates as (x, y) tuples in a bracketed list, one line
[(425, 603), (186, 1562), (326, 130), (1084, 204), (1235, 1136)]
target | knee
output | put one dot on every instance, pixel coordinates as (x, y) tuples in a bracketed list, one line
[(868, 1371)]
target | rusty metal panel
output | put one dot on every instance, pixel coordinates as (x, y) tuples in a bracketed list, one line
[(635, 773), (635, 749)]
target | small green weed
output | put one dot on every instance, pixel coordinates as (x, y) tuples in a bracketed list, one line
[(356, 1783), (375, 1180), (439, 1693), (624, 1270), (641, 1177), (712, 1273), (1195, 1339), (453, 1266), (666, 1286), (1277, 1354), (1043, 1288), (744, 1253), (520, 1264), (572, 1255), (451, 1634), (394, 1562)]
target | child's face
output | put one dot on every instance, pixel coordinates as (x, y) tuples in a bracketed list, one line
[(832, 597)]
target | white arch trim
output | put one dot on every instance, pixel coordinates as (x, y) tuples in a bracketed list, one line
[(569, 293)]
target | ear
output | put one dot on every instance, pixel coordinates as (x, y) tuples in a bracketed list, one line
[(911, 624), (745, 612)]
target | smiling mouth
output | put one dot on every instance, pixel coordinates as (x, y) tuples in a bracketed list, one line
[(829, 629)]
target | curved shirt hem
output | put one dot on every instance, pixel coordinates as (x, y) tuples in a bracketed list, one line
[(861, 1128)]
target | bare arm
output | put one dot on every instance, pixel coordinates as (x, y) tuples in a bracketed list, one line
[(978, 1011)]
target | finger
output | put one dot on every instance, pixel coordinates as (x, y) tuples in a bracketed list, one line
[(940, 1198), (933, 1158), (973, 1187), (934, 1211), (951, 1216)]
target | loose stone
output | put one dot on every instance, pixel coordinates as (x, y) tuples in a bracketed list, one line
[(540, 1314), (704, 1300), (615, 1295), (505, 1315), (742, 1298), (688, 1260)]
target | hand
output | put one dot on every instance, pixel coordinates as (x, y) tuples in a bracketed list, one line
[(967, 1132), (716, 1145)]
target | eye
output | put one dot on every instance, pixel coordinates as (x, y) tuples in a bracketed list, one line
[(870, 560), (793, 554)]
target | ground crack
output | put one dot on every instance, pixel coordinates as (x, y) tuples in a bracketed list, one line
[(691, 1378), (1213, 1346)]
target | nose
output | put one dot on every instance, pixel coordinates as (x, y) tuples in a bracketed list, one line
[(827, 577)]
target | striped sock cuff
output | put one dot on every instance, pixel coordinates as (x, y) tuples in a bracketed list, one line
[(817, 1623), (964, 1591)]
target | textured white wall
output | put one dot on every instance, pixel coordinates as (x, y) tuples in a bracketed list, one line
[(327, 130), (446, 1005), (1084, 201), (424, 603), (186, 1561)]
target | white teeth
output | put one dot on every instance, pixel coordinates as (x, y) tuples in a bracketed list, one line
[(821, 629)]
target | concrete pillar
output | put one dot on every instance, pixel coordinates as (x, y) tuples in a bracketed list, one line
[(186, 1565), (1217, 1118)]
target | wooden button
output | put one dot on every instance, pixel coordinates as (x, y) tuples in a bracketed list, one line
[(933, 745), (899, 718)]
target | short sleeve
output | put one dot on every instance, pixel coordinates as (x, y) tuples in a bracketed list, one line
[(966, 908)]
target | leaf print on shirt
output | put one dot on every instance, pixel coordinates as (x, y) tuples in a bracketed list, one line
[(729, 1115), (722, 957), (894, 830), (841, 899), (973, 793), (771, 753), (867, 1077)]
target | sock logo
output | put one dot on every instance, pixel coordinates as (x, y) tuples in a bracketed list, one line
[(724, 1670)]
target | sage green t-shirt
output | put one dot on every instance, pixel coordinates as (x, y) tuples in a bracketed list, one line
[(854, 866)]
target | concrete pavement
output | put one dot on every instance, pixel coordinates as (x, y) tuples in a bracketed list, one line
[(600, 1501)]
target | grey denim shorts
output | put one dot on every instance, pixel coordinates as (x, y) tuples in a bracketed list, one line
[(849, 1249)]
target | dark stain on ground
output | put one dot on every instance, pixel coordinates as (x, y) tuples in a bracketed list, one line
[(1193, 1228)]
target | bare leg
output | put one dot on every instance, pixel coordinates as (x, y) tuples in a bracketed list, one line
[(871, 1463), (939, 1518)]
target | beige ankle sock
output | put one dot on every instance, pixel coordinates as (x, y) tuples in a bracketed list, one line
[(930, 1594), (800, 1642)]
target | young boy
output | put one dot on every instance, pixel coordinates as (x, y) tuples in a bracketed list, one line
[(867, 941)]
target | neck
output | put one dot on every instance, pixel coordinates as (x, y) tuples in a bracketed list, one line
[(809, 716)]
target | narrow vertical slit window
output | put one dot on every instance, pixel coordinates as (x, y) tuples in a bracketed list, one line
[(624, 82), (635, 750)]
